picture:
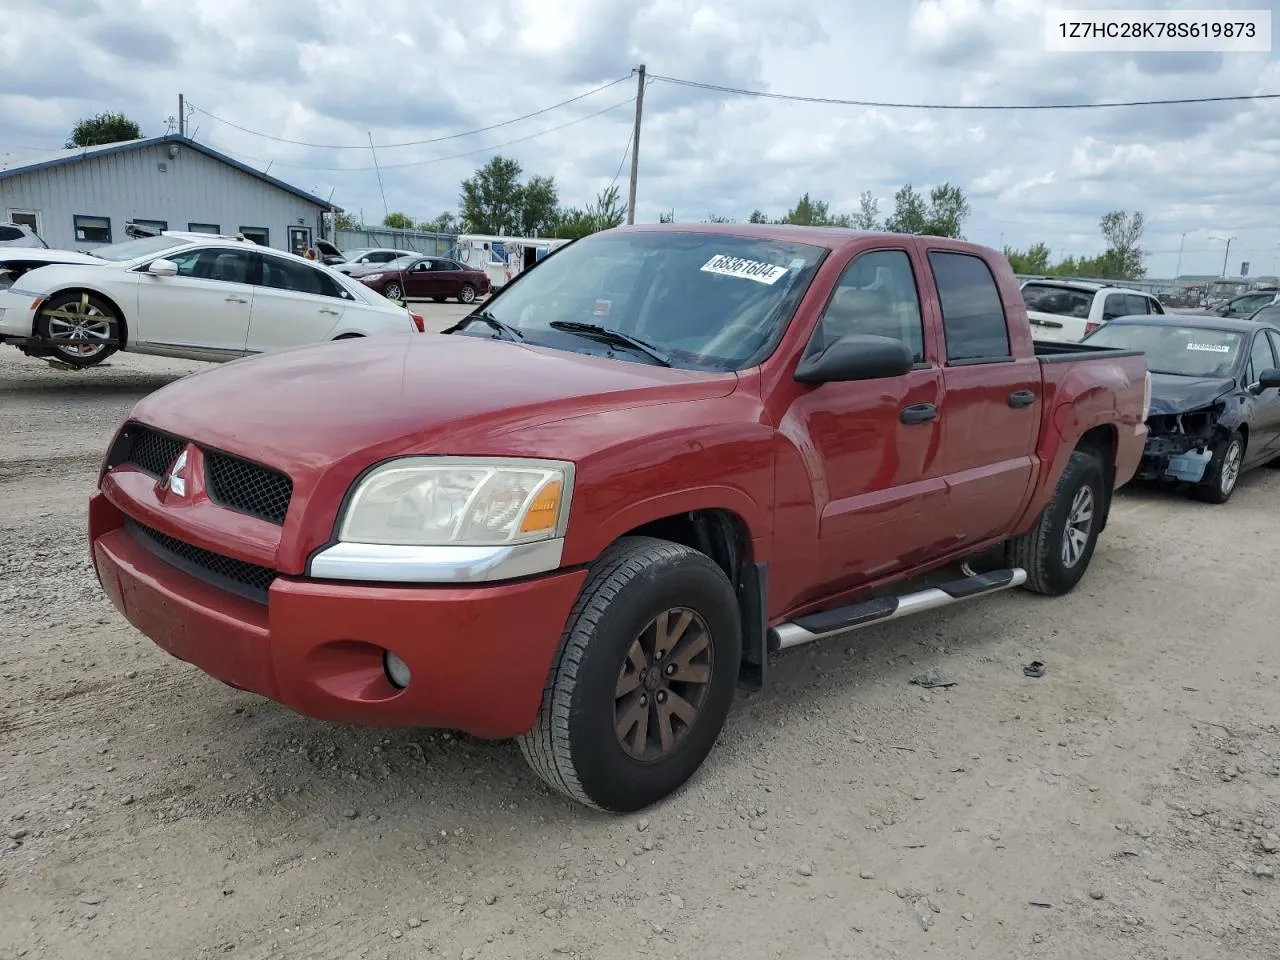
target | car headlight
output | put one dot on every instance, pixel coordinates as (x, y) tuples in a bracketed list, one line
[(435, 501), (371, 277)]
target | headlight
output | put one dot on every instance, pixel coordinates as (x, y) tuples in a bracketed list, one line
[(371, 277), (433, 501)]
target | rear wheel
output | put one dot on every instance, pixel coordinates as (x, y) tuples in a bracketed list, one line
[(1224, 471), (1057, 551), (643, 680), (80, 329), (467, 294)]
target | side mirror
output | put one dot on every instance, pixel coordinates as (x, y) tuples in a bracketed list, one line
[(162, 268), (856, 357), (1268, 379)]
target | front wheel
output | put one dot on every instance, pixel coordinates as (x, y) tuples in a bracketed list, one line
[(1057, 551), (1224, 471), (392, 291), (467, 294), (643, 680), (80, 328)]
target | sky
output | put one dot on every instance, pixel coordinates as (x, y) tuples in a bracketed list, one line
[(335, 73)]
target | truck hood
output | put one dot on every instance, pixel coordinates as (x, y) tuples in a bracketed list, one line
[(355, 402), (1173, 394)]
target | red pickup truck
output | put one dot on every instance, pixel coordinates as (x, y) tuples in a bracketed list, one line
[(587, 512)]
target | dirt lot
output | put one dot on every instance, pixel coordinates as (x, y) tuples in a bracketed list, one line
[(1123, 806)]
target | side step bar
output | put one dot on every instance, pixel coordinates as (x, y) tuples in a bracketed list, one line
[(829, 623)]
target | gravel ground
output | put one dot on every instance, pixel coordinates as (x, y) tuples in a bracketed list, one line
[(1124, 805)]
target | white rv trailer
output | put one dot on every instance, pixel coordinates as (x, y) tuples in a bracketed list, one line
[(503, 257)]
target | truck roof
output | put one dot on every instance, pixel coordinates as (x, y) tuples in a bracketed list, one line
[(833, 238)]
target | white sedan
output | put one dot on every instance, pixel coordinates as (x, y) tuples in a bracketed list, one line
[(186, 295)]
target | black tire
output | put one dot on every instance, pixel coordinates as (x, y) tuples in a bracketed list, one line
[(393, 291), (1040, 552), (573, 745), (467, 294), (98, 315), (1220, 480)]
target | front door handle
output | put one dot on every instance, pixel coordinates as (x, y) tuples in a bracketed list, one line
[(918, 413), (1021, 398), (329, 310), (234, 299)]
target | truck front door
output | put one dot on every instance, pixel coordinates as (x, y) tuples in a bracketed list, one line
[(874, 444), (992, 419)]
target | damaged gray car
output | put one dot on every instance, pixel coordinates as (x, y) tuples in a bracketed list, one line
[(1215, 397)]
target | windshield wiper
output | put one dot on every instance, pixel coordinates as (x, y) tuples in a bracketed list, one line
[(612, 336), (486, 317)]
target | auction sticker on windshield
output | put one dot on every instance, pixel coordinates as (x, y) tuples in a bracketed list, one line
[(757, 270), (1209, 347)]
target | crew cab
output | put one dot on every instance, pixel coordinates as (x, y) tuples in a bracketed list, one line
[(1070, 310), (588, 511)]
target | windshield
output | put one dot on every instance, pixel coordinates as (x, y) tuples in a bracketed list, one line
[(1062, 301), (354, 255), (133, 249), (1269, 314), (707, 300), (1181, 351)]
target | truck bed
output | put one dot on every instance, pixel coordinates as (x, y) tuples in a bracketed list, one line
[(1051, 351)]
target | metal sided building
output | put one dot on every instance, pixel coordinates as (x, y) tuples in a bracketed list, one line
[(82, 198)]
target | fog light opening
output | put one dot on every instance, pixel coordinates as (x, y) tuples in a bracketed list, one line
[(396, 669)]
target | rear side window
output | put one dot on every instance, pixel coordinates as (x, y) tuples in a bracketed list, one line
[(1136, 305), (300, 278), (973, 318)]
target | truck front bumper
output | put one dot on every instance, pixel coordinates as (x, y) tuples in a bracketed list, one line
[(478, 656)]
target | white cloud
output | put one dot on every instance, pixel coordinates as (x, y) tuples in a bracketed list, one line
[(334, 71)]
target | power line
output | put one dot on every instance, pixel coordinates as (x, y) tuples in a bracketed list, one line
[(739, 91), (423, 163), (410, 143)]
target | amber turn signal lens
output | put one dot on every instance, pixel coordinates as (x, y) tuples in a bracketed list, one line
[(543, 511)]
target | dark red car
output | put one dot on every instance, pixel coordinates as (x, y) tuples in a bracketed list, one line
[(425, 278)]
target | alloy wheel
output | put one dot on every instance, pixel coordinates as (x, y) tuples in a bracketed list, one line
[(1075, 537)]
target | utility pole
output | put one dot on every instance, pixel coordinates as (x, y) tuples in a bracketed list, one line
[(1226, 253), (182, 115), (635, 149), (1178, 270)]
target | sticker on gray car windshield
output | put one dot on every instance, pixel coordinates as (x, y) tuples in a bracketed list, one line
[(729, 266), (1209, 347)]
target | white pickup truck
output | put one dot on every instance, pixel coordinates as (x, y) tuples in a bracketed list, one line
[(1070, 310)]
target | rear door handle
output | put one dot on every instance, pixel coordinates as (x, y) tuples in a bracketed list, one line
[(1021, 398), (235, 299), (918, 413)]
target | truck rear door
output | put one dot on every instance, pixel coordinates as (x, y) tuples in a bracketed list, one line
[(993, 388)]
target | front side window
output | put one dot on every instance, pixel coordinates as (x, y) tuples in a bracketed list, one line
[(215, 263), (876, 296), (1260, 358), (711, 301), (973, 320)]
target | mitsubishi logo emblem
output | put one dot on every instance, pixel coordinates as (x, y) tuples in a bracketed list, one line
[(174, 481)]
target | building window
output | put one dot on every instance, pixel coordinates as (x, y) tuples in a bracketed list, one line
[(203, 228), (28, 218), (145, 228), (259, 235), (92, 229)]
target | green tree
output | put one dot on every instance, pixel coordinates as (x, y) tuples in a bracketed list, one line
[(814, 213), (604, 213), (346, 221), (539, 205), (103, 128), (398, 221), (492, 198), (1035, 259), (757, 216), (942, 216), (1123, 231), (444, 223), (717, 218), (668, 217), (868, 215)]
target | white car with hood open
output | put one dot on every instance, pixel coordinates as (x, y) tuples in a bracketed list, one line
[(188, 295)]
